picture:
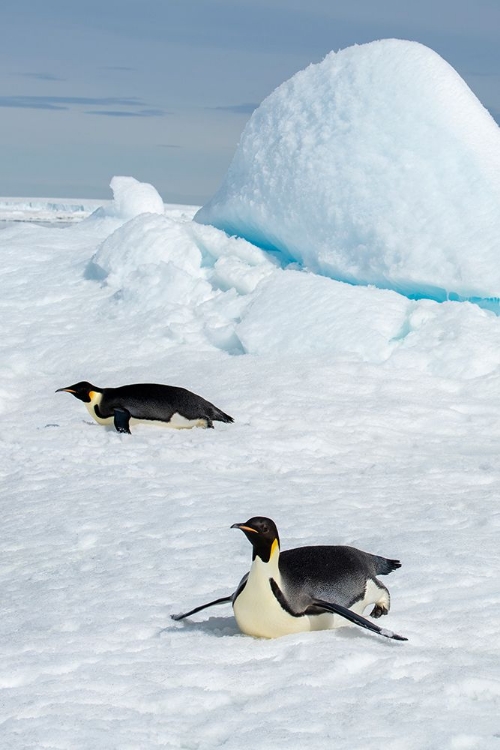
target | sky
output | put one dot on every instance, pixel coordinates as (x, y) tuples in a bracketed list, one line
[(161, 89)]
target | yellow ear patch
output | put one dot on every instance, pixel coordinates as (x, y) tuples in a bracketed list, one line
[(92, 395), (274, 547)]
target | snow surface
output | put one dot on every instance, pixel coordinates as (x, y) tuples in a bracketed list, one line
[(362, 418), (376, 166)]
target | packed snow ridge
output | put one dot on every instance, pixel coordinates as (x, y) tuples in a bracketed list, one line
[(376, 166), (202, 289)]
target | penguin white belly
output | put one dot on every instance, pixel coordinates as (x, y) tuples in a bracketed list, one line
[(95, 400), (178, 422), (258, 612), (326, 621), (181, 423)]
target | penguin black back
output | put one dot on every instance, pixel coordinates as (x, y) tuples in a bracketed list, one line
[(154, 401), (326, 571)]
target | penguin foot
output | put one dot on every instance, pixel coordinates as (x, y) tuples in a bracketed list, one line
[(379, 610), (122, 420)]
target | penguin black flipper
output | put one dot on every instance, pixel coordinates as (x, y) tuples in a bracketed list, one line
[(121, 419), (353, 617), (183, 615)]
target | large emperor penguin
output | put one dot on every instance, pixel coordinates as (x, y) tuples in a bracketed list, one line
[(146, 402), (307, 588)]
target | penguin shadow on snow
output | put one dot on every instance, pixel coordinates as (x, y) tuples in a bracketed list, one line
[(305, 589), (218, 627), (227, 627)]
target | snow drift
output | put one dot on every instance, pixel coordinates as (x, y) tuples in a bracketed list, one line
[(376, 166)]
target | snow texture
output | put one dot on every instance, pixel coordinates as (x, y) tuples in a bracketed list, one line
[(376, 166), (362, 417)]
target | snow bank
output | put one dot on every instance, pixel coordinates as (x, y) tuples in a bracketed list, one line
[(201, 288), (193, 285), (376, 166), (191, 282), (302, 313), (145, 242)]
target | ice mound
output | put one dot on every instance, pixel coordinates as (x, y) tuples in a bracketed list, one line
[(376, 166), (132, 198), (152, 264), (141, 250)]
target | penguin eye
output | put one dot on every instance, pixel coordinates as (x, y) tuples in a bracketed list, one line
[(264, 528)]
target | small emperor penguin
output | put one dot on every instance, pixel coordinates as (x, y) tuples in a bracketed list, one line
[(146, 402), (307, 588)]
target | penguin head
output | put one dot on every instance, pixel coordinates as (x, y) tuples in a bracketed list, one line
[(81, 390), (262, 533)]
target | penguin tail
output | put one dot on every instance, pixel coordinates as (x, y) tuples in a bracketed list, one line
[(220, 416), (385, 566)]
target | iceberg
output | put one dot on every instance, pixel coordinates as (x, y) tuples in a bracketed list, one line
[(377, 166)]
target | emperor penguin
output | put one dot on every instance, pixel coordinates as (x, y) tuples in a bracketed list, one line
[(307, 588), (146, 402)]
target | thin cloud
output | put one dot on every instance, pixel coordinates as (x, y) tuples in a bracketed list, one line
[(238, 109), (125, 113), (42, 76), (64, 102), (20, 102), (116, 67), (478, 73)]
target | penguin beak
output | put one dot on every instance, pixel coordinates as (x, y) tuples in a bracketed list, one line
[(243, 527), (66, 390)]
